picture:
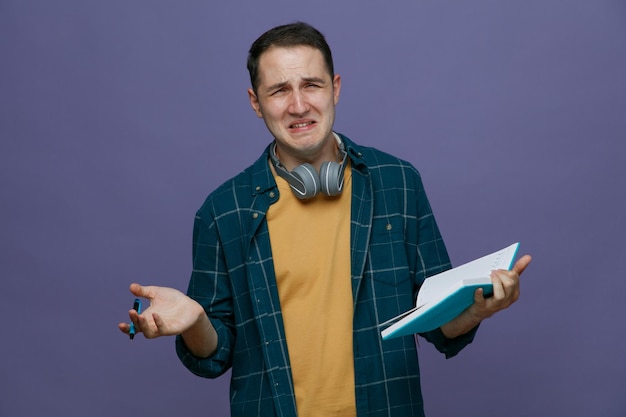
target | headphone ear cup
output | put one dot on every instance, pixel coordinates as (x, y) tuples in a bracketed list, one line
[(307, 175), (329, 178)]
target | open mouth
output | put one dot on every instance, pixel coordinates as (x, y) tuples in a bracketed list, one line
[(300, 125)]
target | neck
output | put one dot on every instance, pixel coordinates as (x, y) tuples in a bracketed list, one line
[(328, 152)]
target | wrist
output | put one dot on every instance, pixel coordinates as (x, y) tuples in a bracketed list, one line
[(463, 323), (201, 337)]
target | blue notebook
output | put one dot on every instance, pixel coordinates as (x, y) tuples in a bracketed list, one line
[(444, 296)]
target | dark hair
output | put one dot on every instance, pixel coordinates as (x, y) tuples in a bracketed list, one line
[(290, 35)]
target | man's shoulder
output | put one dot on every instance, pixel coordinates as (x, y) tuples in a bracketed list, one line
[(239, 191), (377, 158), (380, 162)]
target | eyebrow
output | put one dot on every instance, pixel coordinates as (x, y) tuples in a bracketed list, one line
[(305, 79)]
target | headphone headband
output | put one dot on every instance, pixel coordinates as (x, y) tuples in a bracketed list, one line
[(305, 181)]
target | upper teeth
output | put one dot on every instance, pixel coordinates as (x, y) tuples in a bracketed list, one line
[(300, 125)]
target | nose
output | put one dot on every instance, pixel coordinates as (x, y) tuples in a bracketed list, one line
[(298, 103)]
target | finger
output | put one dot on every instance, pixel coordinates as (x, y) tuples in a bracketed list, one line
[(479, 297), (133, 315), (139, 290), (498, 286), (509, 284), (159, 323), (134, 318), (124, 327), (521, 264), (147, 326), (508, 279)]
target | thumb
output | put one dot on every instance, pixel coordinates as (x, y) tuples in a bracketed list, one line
[(139, 290), (521, 264)]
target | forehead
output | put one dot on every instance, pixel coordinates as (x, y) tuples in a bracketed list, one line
[(285, 63)]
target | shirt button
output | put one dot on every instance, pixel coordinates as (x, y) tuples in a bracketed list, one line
[(388, 227), (272, 194), (258, 188), (255, 215)]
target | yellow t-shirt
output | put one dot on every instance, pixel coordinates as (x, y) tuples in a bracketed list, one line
[(311, 250)]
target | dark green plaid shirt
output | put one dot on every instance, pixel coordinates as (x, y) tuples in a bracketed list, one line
[(395, 245)]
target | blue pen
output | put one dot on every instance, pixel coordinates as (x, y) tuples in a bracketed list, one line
[(137, 308)]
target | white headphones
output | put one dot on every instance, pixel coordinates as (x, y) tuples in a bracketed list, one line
[(304, 180)]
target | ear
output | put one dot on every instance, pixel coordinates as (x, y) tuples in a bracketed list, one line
[(336, 88), (254, 102)]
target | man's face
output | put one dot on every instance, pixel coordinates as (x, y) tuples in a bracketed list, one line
[(296, 98)]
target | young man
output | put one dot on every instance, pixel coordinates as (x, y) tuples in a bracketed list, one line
[(298, 259)]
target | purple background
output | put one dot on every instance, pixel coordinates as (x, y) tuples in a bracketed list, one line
[(117, 118)]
